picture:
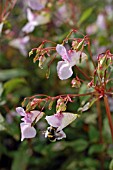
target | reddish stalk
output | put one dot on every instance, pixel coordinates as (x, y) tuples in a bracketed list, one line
[(99, 119), (62, 95), (108, 114), (82, 73), (89, 49), (101, 156)]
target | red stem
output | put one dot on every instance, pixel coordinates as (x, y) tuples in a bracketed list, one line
[(99, 119), (108, 114), (82, 73)]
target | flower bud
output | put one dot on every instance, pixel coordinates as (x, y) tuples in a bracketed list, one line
[(76, 82)]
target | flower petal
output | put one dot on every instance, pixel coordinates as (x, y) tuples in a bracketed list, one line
[(30, 15), (21, 111), (1, 27), (76, 57), (60, 135), (29, 27), (23, 51), (27, 131), (67, 119), (62, 51), (36, 115), (64, 70), (35, 4), (25, 39), (55, 120)]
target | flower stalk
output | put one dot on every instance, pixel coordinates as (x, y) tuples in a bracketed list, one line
[(108, 114)]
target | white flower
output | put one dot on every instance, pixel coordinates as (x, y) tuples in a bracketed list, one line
[(21, 44), (35, 20), (59, 121), (70, 58)]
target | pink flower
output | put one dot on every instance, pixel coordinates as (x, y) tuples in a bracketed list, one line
[(60, 121), (70, 58), (34, 20), (21, 44), (36, 4), (101, 22), (1, 27), (27, 130)]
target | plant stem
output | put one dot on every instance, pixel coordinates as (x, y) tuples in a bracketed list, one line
[(99, 119), (89, 49), (108, 114), (82, 73)]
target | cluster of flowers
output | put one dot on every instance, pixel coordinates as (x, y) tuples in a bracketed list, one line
[(59, 121), (34, 19)]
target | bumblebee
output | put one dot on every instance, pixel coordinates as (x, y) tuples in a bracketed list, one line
[(52, 133)]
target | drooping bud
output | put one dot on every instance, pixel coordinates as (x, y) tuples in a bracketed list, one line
[(74, 44), (76, 82), (90, 84), (61, 105), (50, 105), (41, 61), (30, 53), (103, 63), (48, 73)]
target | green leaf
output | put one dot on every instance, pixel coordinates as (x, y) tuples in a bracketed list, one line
[(93, 134), (79, 145), (111, 165), (12, 73), (96, 148), (21, 158), (2, 127), (1, 89), (13, 84), (86, 14)]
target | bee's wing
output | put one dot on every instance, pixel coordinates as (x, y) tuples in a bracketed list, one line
[(67, 119)]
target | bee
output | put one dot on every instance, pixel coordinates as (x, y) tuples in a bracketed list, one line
[(52, 133)]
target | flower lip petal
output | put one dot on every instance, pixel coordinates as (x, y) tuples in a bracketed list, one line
[(27, 131), (60, 135), (64, 70)]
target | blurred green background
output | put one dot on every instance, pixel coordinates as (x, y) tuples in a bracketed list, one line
[(20, 77)]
